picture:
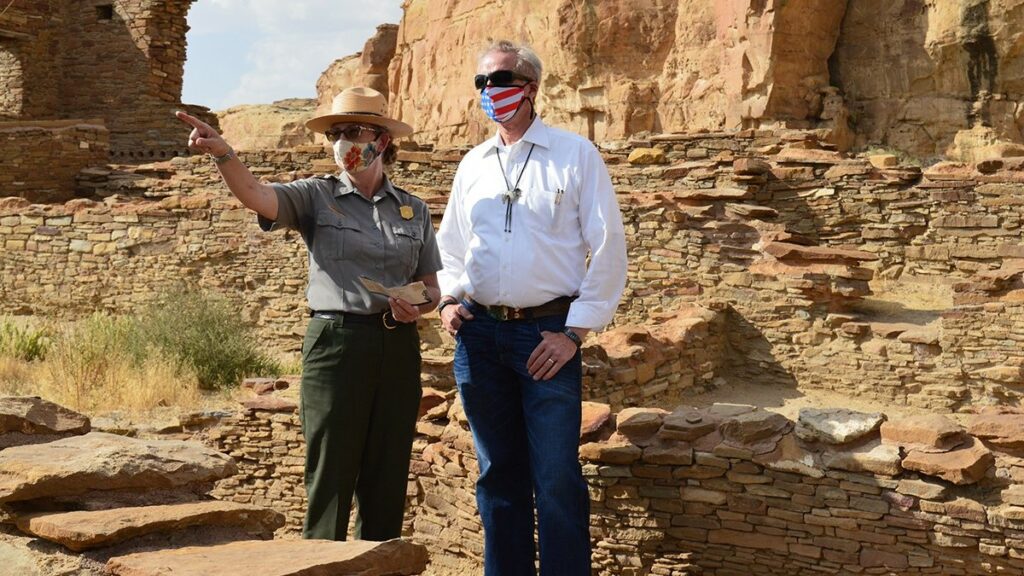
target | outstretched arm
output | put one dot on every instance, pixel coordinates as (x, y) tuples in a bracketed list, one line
[(256, 196)]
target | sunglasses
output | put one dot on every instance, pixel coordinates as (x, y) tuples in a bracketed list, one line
[(350, 133), (498, 78)]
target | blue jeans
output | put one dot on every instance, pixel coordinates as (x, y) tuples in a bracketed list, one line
[(526, 434)]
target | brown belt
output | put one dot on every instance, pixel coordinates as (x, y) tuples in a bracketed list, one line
[(555, 307)]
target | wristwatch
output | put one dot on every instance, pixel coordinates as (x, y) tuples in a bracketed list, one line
[(444, 303), (574, 337), (223, 158)]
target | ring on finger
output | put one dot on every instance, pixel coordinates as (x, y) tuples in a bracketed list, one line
[(551, 360)]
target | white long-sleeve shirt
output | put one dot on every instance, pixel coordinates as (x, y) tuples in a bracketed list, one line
[(567, 209)]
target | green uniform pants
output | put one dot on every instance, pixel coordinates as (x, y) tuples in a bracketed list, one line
[(359, 402)]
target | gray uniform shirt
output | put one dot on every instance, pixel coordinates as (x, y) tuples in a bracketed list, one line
[(388, 238)]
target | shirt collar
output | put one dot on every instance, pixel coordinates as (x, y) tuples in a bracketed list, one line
[(537, 134), (345, 186)]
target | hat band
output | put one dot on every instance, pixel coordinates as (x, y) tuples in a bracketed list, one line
[(358, 114)]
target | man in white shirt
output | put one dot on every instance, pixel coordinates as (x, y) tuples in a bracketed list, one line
[(526, 209)]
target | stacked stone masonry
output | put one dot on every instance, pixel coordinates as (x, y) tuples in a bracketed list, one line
[(43, 159), (775, 236), (725, 490), (118, 60)]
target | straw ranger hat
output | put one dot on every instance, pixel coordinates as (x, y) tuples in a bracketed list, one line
[(364, 105)]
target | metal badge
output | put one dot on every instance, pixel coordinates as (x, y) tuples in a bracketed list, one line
[(406, 212)]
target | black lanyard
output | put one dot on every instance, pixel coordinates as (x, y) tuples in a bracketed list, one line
[(511, 193)]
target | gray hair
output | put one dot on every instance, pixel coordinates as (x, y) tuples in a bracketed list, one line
[(527, 62)]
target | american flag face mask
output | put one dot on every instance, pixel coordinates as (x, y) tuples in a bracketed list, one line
[(501, 103)]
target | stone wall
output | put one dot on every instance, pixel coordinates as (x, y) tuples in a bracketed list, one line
[(778, 239), (119, 60), (725, 490), (42, 160)]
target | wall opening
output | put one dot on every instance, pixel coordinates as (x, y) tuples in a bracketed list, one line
[(105, 12)]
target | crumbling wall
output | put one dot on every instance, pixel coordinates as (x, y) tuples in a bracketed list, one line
[(42, 160), (118, 60), (779, 239), (726, 489)]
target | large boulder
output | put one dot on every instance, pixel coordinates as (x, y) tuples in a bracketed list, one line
[(31, 420), (103, 462)]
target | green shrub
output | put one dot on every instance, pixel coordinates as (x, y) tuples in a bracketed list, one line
[(207, 334), (26, 344)]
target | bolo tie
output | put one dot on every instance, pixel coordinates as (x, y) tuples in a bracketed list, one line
[(512, 193)]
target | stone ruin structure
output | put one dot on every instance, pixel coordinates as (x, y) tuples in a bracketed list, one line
[(83, 81), (767, 251), (74, 500), (759, 259)]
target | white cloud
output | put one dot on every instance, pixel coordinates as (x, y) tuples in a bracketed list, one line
[(274, 49)]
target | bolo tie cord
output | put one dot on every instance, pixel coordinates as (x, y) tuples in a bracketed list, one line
[(512, 194)]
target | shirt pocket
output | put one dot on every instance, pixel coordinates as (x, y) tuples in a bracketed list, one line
[(408, 244), (337, 237), (544, 206)]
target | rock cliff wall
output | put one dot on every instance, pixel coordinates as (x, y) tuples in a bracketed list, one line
[(927, 78)]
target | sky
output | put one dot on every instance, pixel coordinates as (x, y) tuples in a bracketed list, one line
[(259, 51)]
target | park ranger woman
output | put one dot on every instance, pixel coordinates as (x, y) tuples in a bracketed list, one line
[(360, 356)]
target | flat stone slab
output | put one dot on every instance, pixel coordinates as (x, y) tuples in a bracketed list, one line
[(925, 433), (84, 530), (278, 558), (32, 415), (964, 465), (836, 425), (1003, 430), (100, 461)]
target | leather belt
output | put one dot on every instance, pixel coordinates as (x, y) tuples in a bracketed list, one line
[(381, 318), (555, 307)]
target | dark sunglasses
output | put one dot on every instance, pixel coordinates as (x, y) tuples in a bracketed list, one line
[(350, 133), (498, 78)]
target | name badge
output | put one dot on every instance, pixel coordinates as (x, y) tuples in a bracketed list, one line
[(406, 212)]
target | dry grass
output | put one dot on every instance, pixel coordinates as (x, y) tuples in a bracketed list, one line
[(189, 353), (117, 383)]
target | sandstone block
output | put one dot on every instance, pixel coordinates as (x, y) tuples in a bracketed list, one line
[(750, 166), (872, 558), (1003, 430), (647, 156), (278, 558), (687, 423), (754, 427), (639, 422), (922, 489), (883, 161), (595, 415), (84, 530), (874, 457), (31, 415), (965, 465), (99, 461), (836, 425), (611, 452), (931, 433)]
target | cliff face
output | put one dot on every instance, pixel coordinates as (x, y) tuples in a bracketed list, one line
[(917, 72), (927, 77), (366, 68)]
